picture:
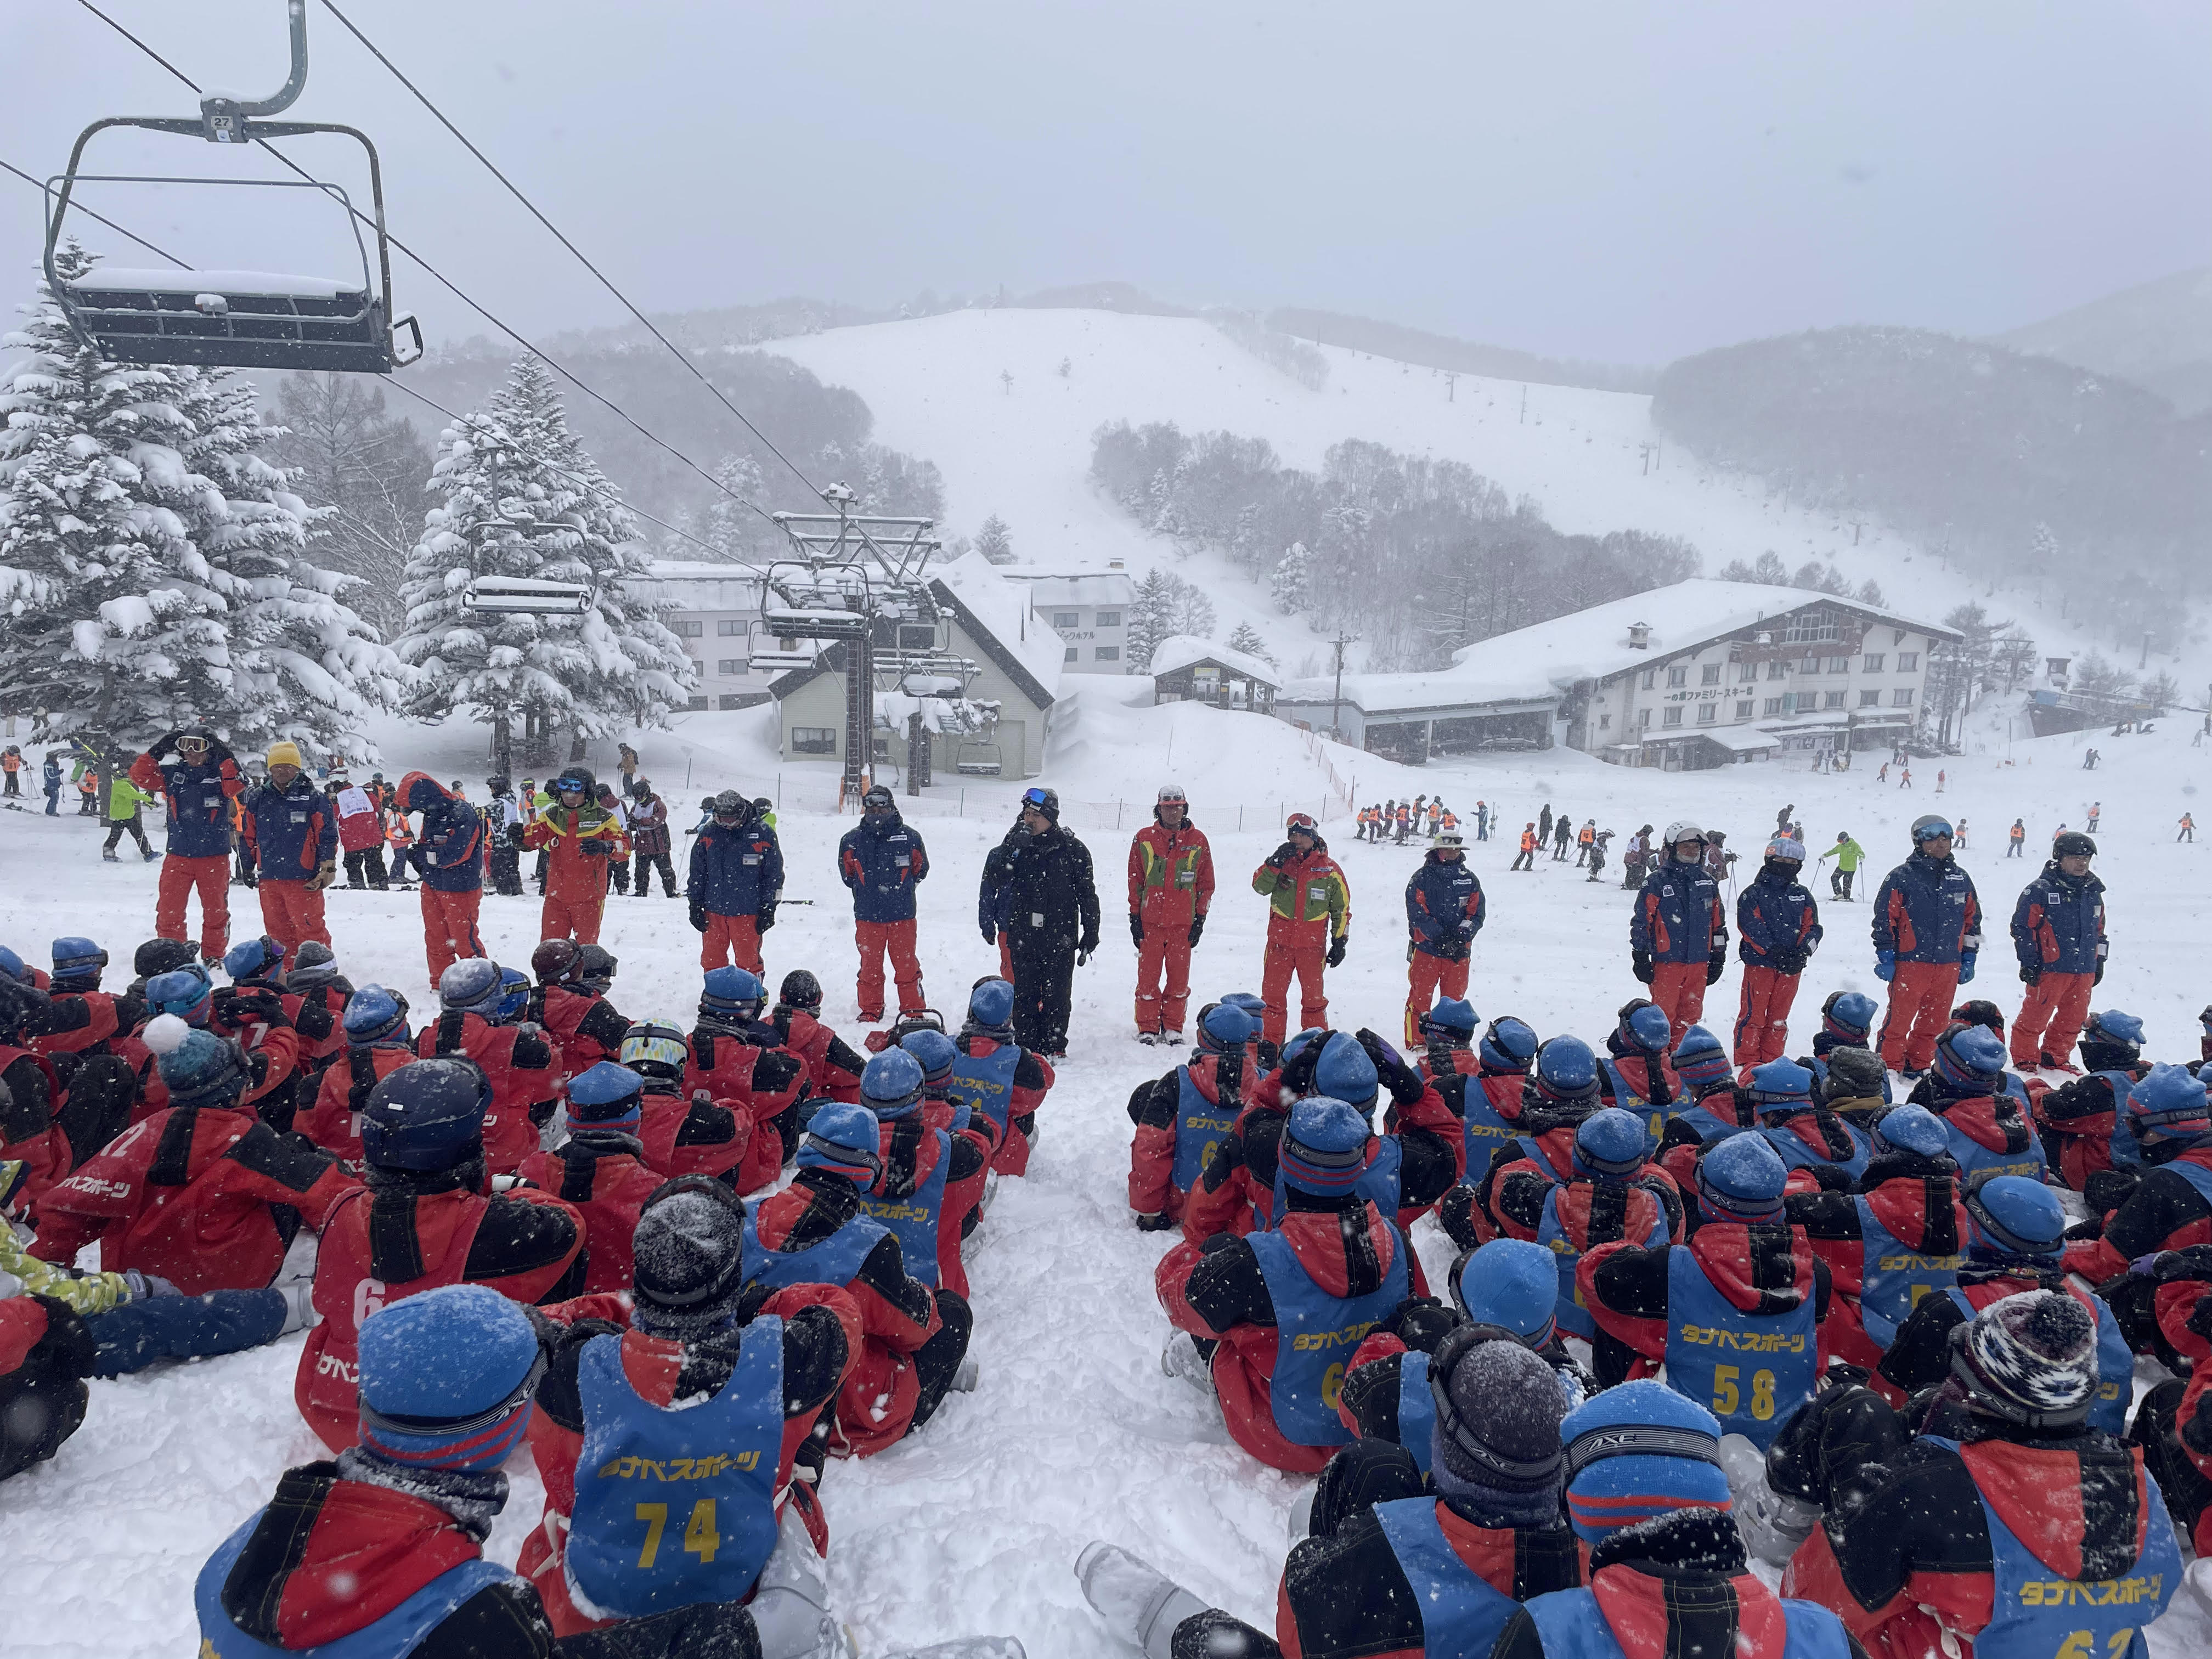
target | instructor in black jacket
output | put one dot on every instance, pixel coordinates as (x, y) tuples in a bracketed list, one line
[(1052, 920)]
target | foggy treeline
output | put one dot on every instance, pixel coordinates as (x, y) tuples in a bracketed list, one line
[(1413, 345), (1416, 556), (2047, 478)]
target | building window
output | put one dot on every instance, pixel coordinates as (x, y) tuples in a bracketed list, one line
[(696, 705), (1773, 706), (1677, 677), (1908, 661), (730, 668), (1790, 702), (1109, 619), (1832, 700), (1839, 665), (1605, 722), (1902, 697), (1106, 653), (813, 739), (1743, 709), (1644, 719), (1869, 699), (1650, 679), (1711, 674), (1871, 663), (1072, 655), (1778, 670), (1067, 619), (1673, 715), (1810, 665), (687, 630), (730, 630), (1746, 671), (1708, 713)]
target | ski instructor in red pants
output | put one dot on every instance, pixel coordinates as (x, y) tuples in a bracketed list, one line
[(1310, 911), (2058, 933), (1677, 934), (1778, 927), (452, 851), (1171, 886), (881, 859), (200, 784), (1927, 930), (586, 838)]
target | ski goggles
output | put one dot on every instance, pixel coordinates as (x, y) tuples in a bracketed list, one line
[(1038, 797), (1930, 831), (1300, 821)]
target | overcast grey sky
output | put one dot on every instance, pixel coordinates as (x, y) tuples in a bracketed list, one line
[(1627, 182)]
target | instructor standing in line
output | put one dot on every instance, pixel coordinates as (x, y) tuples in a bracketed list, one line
[(1170, 886), (1927, 932), (1052, 913)]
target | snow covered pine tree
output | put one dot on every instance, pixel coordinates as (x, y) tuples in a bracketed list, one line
[(522, 498)]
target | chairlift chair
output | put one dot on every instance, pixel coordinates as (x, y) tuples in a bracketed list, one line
[(526, 596), (979, 760), (236, 319)]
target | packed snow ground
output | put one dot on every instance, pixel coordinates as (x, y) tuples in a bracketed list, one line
[(973, 1526)]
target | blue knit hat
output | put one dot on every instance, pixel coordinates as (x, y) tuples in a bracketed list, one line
[(1509, 1045), (731, 993), (1850, 1016), (1609, 1143), (446, 1379), (185, 992), (373, 1014), (844, 1140), (606, 1097), (2118, 1030), (1300, 1042), (1347, 1073), (1566, 1071), (1911, 1129), (1323, 1150), (2012, 1219), (1780, 1085), (991, 1004), (1699, 1060), (1225, 1026), (1971, 1058), (199, 1068), (1250, 1003), (890, 1084), (1643, 1025), (1513, 1284), (1741, 1179), (11, 966), (933, 1051), (1636, 1452), (1455, 1016), (2170, 1102)]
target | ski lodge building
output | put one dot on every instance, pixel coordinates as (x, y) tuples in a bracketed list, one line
[(1700, 674), (1088, 608)]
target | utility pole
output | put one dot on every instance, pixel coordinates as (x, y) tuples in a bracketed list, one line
[(1336, 706), (1524, 405)]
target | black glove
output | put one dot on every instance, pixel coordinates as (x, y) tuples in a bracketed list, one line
[(990, 933), (2098, 978), (594, 848), (1640, 963), (1198, 927), (1088, 945), (1788, 960), (514, 835), (1716, 965), (1136, 928), (699, 915), (1281, 856), (765, 920), (1154, 1223), (2031, 971), (1422, 1323), (1336, 949)]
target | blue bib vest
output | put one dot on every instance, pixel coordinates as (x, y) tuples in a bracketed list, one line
[(395, 1635), (914, 1218), (1378, 1184), (1315, 1333), (2032, 1610), (1462, 1615), (1797, 1153), (985, 1083), (2115, 1366), (2195, 1174), (1974, 1158), (1894, 1277), (1573, 1317), (1629, 1098), (2126, 1150), (835, 1259), (675, 1508), (1200, 1125), (1417, 1407), (1707, 1124), (1572, 1626), (1753, 1371), (1483, 1129)]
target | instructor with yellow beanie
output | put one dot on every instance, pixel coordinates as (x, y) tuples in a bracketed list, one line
[(292, 830)]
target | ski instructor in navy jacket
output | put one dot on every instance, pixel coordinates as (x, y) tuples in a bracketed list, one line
[(292, 828), (452, 851), (200, 783), (882, 859)]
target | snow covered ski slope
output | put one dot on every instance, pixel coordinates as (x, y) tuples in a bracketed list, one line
[(1073, 1433)]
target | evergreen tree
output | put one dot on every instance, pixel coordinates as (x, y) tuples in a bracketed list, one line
[(1148, 619), (373, 469), (1870, 593), (112, 623), (994, 541), (734, 529), (1290, 582), (521, 498), (1248, 639)]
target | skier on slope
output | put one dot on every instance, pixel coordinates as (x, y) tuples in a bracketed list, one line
[(199, 786), (1170, 886), (1677, 932)]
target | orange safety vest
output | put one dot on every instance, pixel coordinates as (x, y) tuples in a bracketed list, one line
[(1588, 835), (1529, 841)]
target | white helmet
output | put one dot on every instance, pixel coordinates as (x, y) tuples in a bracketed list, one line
[(1172, 791), (1678, 832)]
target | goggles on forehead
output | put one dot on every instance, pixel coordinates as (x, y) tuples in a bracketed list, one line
[(1034, 797)]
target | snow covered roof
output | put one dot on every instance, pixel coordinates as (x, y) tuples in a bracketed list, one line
[(1181, 650), (697, 585), (1744, 740), (1075, 587), (996, 614)]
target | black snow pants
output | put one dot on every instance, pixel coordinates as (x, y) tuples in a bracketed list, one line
[(1044, 976)]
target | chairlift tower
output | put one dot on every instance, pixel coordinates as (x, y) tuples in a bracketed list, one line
[(855, 581)]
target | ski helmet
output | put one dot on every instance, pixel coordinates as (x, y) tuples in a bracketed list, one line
[(1172, 793), (427, 1115), (1566, 1072), (1512, 1284), (891, 1084), (2073, 844), (2114, 1030), (688, 1256), (843, 1140), (1224, 1026), (1742, 1176), (468, 1406), (1699, 1060), (375, 1015), (184, 991), (513, 997), (933, 1051), (732, 997), (1969, 1058), (990, 1005), (1780, 1085), (1508, 1045), (2011, 1216), (253, 961), (1787, 848), (1931, 827), (76, 958), (1679, 831), (595, 969), (554, 961), (161, 956), (1645, 1026), (471, 986), (1347, 1073), (1913, 1129), (605, 1097), (655, 1051), (800, 990), (1450, 1022), (1610, 1142), (315, 963)]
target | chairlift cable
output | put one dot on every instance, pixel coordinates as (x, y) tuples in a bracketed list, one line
[(451, 286), (182, 264), (605, 281)]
